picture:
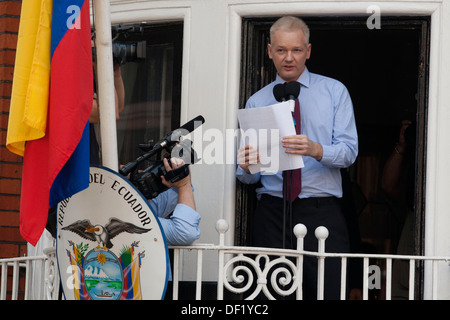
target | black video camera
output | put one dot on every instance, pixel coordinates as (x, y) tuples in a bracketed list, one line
[(124, 52), (148, 181), (128, 51)]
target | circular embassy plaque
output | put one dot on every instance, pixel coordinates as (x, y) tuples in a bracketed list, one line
[(110, 244)]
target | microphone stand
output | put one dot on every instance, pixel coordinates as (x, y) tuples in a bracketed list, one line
[(281, 92), (284, 212), (287, 205), (291, 227)]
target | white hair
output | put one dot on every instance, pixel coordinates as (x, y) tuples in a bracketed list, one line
[(290, 23)]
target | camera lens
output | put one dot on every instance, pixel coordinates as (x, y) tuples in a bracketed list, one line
[(124, 52)]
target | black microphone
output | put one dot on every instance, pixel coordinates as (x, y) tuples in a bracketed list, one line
[(186, 128), (193, 124), (279, 92), (292, 90)]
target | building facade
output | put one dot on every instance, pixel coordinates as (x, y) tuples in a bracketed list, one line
[(11, 243), (205, 57)]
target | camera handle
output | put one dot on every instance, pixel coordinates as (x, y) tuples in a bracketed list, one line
[(177, 174), (131, 166)]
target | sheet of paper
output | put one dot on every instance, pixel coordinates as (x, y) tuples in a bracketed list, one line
[(264, 128)]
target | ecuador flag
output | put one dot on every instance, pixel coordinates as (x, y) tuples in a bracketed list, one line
[(51, 102)]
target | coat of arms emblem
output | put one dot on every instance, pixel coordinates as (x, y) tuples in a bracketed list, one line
[(106, 235)]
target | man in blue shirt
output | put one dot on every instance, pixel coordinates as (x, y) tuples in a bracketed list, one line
[(328, 141)]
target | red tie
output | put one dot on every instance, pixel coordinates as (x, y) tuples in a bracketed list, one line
[(296, 174)]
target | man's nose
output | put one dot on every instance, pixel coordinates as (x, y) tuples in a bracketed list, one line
[(289, 55)]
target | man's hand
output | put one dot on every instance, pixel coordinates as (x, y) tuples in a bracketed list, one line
[(185, 193), (176, 163), (247, 155), (300, 144), (401, 144)]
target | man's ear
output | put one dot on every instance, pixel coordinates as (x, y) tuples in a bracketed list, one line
[(269, 51)]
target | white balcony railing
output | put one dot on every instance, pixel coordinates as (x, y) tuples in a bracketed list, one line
[(247, 272), (41, 286)]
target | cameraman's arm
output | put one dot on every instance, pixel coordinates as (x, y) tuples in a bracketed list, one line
[(119, 90), (185, 192), (391, 177), (164, 204), (182, 228), (186, 195), (94, 116)]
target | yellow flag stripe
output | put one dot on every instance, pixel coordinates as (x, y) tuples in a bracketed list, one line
[(30, 90)]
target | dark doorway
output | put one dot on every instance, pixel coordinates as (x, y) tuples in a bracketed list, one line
[(385, 71)]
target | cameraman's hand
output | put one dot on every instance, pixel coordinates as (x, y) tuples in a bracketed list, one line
[(176, 163), (401, 144), (185, 192)]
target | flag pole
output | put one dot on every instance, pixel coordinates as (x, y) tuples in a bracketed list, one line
[(105, 84)]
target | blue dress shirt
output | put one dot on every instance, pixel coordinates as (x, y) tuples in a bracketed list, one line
[(327, 118), (182, 228)]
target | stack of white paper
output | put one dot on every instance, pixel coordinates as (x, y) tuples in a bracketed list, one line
[(264, 128)]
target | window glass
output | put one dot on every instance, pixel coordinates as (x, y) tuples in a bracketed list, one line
[(152, 89)]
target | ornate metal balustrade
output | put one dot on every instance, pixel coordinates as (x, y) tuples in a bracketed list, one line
[(246, 272), (250, 272)]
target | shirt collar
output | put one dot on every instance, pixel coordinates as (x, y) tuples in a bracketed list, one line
[(304, 78)]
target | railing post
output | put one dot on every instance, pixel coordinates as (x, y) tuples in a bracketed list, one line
[(411, 278), (434, 279), (221, 227), (52, 275), (3, 280), (15, 281), (27, 279), (175, 275), (321, 234), (343, 277), (198, 290), (300, 232), (388, 279), (365, 278)]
